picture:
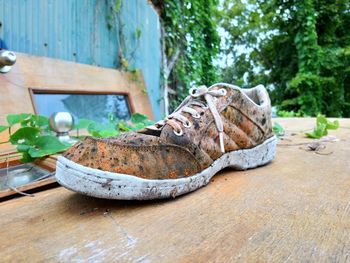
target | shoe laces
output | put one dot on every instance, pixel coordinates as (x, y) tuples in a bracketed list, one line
[(203, 97)]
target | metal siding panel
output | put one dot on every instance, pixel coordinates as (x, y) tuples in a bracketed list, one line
[(69, 27), (2, 45), (6, 25), (140, 14)]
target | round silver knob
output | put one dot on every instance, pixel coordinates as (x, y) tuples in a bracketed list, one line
[(61, 122), (7, 60)]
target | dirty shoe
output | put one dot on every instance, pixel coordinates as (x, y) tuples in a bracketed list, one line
[(213, 128)]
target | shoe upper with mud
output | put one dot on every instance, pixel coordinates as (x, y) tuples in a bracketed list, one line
[(184, 145)]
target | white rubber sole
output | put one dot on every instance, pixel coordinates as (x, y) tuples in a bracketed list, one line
[(97, 183)]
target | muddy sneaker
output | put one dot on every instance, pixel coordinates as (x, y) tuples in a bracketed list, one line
[(213, 128)]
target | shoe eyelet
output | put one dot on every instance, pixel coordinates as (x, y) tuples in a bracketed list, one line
[(196, 116), (223, 91), (180, 133), (187, 124), (192, 91)]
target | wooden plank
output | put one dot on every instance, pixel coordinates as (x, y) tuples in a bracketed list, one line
[(42, 73), (297, 209)]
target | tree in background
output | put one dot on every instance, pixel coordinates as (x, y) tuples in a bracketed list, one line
[(190, 45), (299, 49)]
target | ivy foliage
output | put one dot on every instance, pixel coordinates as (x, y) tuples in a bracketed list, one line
[(114, 127), (299, 49), (34, 139), (191, 29)]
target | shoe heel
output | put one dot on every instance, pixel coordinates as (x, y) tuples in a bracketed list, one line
[(254, 157)]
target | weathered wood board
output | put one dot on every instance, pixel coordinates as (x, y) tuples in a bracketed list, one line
[(42, 73), (297, 209)]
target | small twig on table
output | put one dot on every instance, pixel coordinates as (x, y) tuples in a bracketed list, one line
[(315, 146), (320, 153), (293, 144), (285, 139), (20, 192), (25, 171)]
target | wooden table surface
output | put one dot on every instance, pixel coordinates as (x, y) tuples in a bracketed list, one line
[(297, 209)]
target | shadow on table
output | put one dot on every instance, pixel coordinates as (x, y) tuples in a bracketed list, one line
[(85, 205)]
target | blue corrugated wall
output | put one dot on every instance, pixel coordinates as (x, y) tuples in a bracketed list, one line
[(84, 31)]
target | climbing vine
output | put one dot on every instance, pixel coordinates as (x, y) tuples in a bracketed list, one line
[(127, 50), (190, 45)]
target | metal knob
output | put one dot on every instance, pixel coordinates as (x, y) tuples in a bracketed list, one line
[(7, 60), (62, 123)]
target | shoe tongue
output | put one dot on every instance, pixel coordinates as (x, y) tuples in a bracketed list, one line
[(150, 132), (165, 135), (162, 133)]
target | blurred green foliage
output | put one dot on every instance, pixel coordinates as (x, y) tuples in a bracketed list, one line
[(299, 49), (278, 129), (190, 28)]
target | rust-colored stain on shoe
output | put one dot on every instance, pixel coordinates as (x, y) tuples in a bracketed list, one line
[(172, 175)]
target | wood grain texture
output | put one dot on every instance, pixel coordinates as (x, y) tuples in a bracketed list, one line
[(296, 209), (42, 73)]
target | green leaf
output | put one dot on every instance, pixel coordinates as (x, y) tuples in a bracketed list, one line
[(319, 131), (102, 130), (118, 4), (23, 147), (123, 126), (83, 124), (95, 134), (26, 158), (321, 119), (46, 145), (138, 117), (13, 119), (40, 120), (108, 133), (278, 129), (36, 121), (99, 126), (3, 128), (333, 125), (322, 126), (139, 126), (27, 134)]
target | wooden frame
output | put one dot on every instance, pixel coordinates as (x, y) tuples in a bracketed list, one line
[(33, 91), (44, 74)]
